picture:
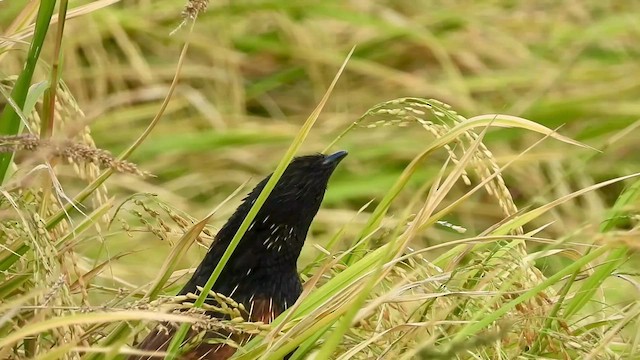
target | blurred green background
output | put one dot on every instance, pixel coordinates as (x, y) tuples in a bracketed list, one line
[(256, 69)]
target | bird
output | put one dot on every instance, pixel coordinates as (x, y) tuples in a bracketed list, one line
[(261, 274)]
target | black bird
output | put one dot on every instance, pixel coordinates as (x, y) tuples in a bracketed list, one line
[(262, 273)]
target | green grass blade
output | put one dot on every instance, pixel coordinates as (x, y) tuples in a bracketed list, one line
[(615, 258)]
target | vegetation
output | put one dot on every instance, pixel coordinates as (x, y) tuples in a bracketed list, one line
[(508, 232)]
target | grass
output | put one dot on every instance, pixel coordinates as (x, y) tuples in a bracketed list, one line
[(440, 237)]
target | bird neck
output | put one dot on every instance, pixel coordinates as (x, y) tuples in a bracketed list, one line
[(266, 252)]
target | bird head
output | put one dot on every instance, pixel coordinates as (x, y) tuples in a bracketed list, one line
[(284, 218), (296, 198)]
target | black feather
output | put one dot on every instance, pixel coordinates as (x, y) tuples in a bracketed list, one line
[(264, 262), (263, 267)]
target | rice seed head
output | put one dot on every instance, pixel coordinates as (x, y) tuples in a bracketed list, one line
[(438, 119), (193, 8), (69, 151)]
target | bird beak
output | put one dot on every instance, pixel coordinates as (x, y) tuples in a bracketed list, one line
[(335, 158)]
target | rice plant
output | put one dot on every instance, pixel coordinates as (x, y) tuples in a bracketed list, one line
[(129, 131)]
